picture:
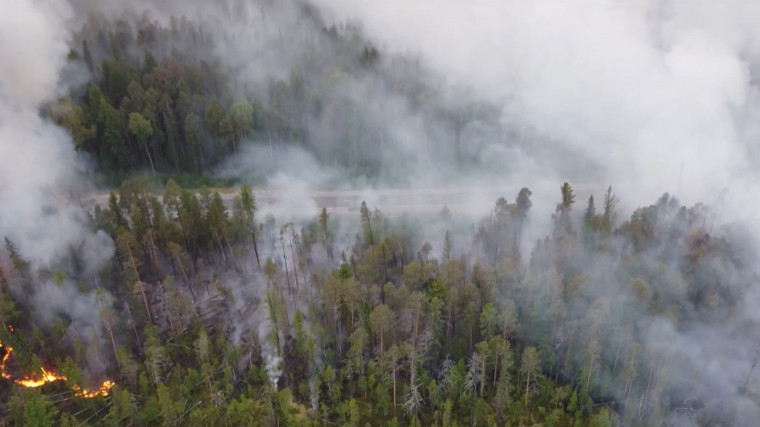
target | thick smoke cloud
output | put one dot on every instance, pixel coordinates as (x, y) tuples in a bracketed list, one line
[(656, 92), (394, 123), (39, 168), (647, 96), (41, 175)]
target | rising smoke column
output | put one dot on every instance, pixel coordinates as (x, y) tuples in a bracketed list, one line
[(40, 171), (39, 167)]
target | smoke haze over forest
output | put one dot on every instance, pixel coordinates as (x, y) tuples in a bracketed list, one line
[(660, 94), (649, 97)]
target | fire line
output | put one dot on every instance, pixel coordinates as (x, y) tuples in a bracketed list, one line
[(47, 376)]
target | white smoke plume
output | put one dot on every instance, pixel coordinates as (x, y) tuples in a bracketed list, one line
[(274, 369), (41, 174), (662, 94), (39, 167)]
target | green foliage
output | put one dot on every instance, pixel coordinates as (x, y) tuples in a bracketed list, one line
[(155, 103), (29, 407), (385, 336)]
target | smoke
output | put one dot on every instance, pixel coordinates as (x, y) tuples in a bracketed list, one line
[(647, 96), (388, 121), (41, 175), (654, 92), (658, 96), (39, 169), (273, 366)]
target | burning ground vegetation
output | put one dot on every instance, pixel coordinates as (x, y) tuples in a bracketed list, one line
[(43, 376), (212, 316)]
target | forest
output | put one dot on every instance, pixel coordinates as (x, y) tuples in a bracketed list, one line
[(181, 300), (162, 100), (220, 317)]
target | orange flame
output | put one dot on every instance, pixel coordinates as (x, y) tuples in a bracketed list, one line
[(87, 394), (48, 377)]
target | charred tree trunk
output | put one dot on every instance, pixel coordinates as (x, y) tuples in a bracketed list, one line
[(256, 250)]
